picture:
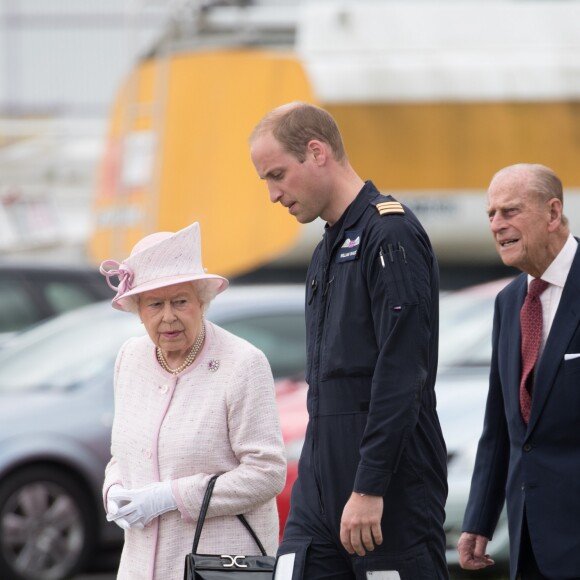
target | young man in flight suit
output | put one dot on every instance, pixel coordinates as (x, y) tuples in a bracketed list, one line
[(370, 496)]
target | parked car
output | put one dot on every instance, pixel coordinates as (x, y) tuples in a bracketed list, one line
[(56, 413), (462, 384), (33, 292), (56, 409)]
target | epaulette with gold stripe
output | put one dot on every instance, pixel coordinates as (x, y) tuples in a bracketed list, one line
[(388, 207)]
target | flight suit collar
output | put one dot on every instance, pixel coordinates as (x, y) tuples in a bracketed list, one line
[(360, 204), (354, 211)]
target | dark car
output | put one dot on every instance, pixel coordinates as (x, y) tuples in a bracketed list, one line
[(31, 292)]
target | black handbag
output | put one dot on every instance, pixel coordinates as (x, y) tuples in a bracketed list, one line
[(226, 566)]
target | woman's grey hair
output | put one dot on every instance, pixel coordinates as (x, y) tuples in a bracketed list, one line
[(205, 292)]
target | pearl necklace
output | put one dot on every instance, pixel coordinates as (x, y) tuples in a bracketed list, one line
[(190, 357)]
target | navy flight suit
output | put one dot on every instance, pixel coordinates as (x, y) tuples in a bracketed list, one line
[(372, 322)]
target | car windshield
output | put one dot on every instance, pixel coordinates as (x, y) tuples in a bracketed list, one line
[(64, 351), (281, 336)]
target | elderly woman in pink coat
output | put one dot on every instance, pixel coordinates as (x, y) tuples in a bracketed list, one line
[(191, 400)]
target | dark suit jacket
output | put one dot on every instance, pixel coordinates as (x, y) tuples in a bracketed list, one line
[(535, 468)]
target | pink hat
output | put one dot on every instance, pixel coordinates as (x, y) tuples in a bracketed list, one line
[(160, 260)]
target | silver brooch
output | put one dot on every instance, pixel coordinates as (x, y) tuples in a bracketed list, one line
[(213, 365)]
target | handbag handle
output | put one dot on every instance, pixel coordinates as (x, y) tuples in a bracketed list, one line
[(203, 513), (253, 534)]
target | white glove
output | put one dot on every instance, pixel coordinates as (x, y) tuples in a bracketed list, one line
[(139, 506), (113, 506)]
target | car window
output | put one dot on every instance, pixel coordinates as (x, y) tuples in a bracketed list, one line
[(63, 296), (16, 308), (465, 330), (280, 336)]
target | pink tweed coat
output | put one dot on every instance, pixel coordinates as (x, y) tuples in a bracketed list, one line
[(218, 416)]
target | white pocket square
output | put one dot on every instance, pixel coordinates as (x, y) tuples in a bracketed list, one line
[(572, 355)]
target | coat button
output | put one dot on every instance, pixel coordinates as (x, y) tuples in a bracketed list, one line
[(148, 453), (163, 389), (527, 447)]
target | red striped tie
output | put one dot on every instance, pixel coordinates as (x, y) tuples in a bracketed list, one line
[(531, 326)]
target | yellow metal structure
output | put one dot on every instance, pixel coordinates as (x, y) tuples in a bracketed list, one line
[(199, 159), (431, 98)]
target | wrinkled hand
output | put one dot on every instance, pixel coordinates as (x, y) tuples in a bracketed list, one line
[(139, 506), (471, 549), (360, 526)]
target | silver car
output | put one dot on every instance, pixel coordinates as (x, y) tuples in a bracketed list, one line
[(56, 409)]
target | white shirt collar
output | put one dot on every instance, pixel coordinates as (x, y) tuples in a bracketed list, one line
[(559, 269)]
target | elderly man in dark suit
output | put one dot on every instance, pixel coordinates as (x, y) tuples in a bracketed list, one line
[(529, 451)]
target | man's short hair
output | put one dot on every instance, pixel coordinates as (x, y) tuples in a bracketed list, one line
[(295, 124)]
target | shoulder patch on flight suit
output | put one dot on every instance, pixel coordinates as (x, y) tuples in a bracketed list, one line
[(349, 247), (389, 207)]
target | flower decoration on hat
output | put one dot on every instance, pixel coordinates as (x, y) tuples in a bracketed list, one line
[(111, 268)]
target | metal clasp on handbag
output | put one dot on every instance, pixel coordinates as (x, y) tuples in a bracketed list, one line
[(233, 561)]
